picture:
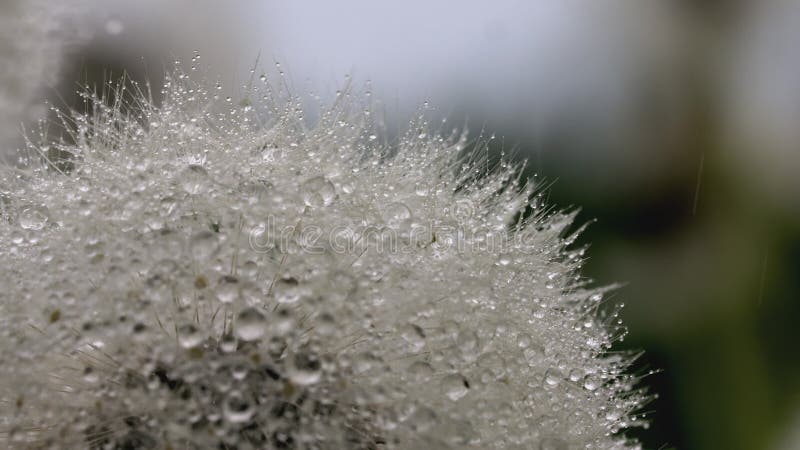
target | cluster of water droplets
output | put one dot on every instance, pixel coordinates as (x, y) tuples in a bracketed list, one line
[(149, 303)]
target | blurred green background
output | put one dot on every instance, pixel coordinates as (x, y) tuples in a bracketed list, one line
[(674, 125)]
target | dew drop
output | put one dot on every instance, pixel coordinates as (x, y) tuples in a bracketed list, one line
[(414, 336), (396, 213), (317, 192), (591, 383), (227, 290), (189, 336), (90, 375), (553, 377), (326, 324), (251, 324), (228, 343), (468, 344), (423, 419), (420, 370), (237, 409), (239, 371), (455, 386), (288, 290), (34, 218), (305, 369), (193, 179)]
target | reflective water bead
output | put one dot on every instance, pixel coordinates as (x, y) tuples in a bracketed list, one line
[(317, 192), (251, 324), (33, 218)]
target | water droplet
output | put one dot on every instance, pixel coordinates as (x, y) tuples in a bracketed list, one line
[(239, 371), (534, 353), (317, 192), (228, 289), (288, 290), (228, 343), (305, 369), (34, 218), (396, 213), (284, 322), (238, 409), (455, 386), (468, 344), (553, 377), (414, 336), (423, 419), (591, 383), (90, 375), (189, 336), (421, 370), (326, 324), (193, 179), (251, 324)]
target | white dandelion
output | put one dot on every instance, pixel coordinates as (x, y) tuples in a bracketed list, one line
[(219, 274)]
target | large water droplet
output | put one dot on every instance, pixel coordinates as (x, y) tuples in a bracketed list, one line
[(455, 386), (193, 179), (396, 213), (421, 370), (317, 192), (423, 419), (305, 369), (288, 290), (414, 336), (591, 382), (228, 343), (468, 344), (238, 409), (228, 289), (553, 377), (34, 218), (189, 336), (251, 324)]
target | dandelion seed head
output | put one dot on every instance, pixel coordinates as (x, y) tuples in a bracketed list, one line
[(214, 274)]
